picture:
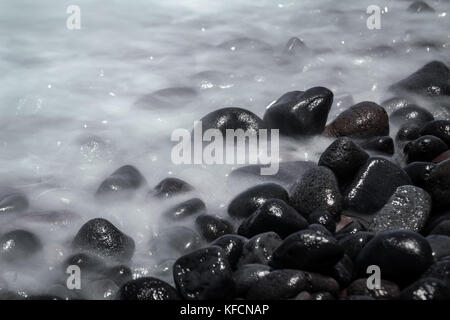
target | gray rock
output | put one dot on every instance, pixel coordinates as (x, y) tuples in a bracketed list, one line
[(408, 208)]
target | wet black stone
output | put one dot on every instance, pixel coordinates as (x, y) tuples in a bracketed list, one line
[(440, 244), (169, 187), (274, 215), (288, 172), (363, 120), (401, 255), (287, 283), (411, 114), (307, 250), (351, 228), (316, 190), (120, 274), (438, 184), (299, 113), (343, 271), (260, 248), (344, 158), (439, 270), (170, 98), (12, 200), (431, 80), (407, 132), (419, 171), (425, 148), (147, 288), (384, 145), (408, 208), (396, 103), (185, 209), (373, 185), (247, 275), (204, 274), (101, 238), (18, 245), (387, 291), (232, 245), (323, 218), (174, 240), (426, 289), (211, 227), (247, 202), (419, 7), (121, 182), (294, 47), (232, 118), (353, 243), (442, 228), (438, 128)]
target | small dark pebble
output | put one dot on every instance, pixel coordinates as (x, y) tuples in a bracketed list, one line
[(274, 215), (438, 184), (260, 248), (232, 245), (121, 183), (147, 288), (353, 243), (204, 274), (323, 218), (438, 128), (212, 227), (425, 148), (396, 103), (294, 47), (383, 145), (387, 290), (307, 250), (349, 229), (419, 7), (185, 209), (18, 245), (170, 187), (419, 171), (101, 238), (247, 202), (247, 275), (426, 289), (411, 114), (407, 132)]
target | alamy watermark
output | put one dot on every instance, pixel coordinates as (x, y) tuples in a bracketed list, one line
[(237, 147)]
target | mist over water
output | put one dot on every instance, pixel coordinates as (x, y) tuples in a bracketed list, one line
[(75, 104)]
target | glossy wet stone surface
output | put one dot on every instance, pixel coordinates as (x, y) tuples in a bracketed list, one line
[(121, 182), (147, 289), (438, 184), (18, 245), (260, 248)]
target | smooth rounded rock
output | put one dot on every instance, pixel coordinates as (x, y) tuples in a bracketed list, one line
[(274, 215), (387, 290), (363, 120), (247, 275), (121, 182), (147, 288), (232, 245), (323, 218), (411, 114), (101, 238), (351, 228), (408, 209), (438, 128), (260, 248), (204, 274), (316, 190), (438, 185), (419, 7), (407, 132), (425, 148), (440, 244), (428, 289), (307, 250), (212, 227), (170, 187), (419, 171), (401, 255), (247, 202), (299, 113), (17, 245), (373, 185), (354, 243), (188, 208), (383, 145), (344, 158)]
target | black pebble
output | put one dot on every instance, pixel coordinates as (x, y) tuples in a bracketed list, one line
[(307, 250), (260, 248), (247, 275), (185, 209), (426, 289), (121, 182), (247, 202), (401, 255), (316, 190), (294, 47), (169, 187), (438, 128), (384, 145), (211, 227), (352, 228), (411, 114), (425, 148), (419, 7), (387, 290), (323, 218), (101, 238), (274, 215), (232, 245), (17, 245), (438, 184), (373, 185), (204, 274), (147, 288), (344, 158), (300, 113), (419, 171), (407, 132), (353, 243)]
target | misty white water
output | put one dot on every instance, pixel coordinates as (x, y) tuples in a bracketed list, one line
[(67, 97)]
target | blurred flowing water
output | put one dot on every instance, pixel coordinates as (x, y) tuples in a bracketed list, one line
[(68, 107)]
